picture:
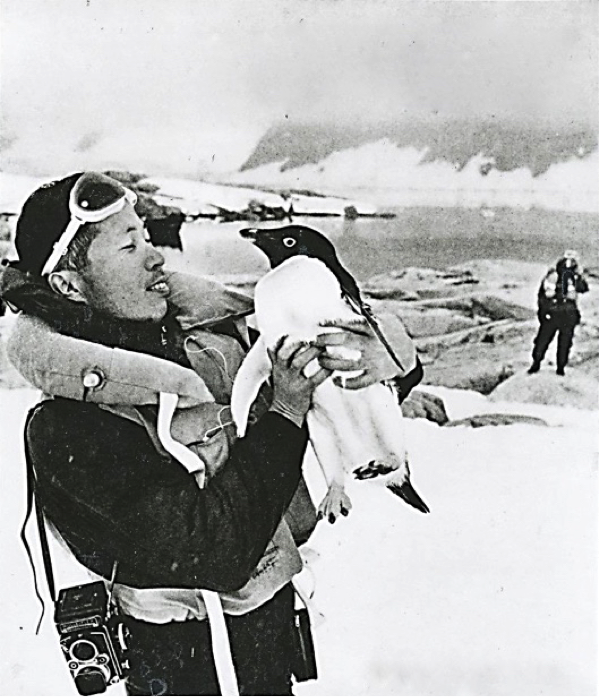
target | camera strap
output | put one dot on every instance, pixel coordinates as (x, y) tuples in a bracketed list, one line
[(32, 501), (364, 309)]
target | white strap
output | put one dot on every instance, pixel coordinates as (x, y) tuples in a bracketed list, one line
[(309, 556), (167, 403), (61, 246), (316, 615), (221, 646)]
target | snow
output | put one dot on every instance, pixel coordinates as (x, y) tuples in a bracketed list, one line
[(389, 175), (494, 592), (204, 197), (204, 194)]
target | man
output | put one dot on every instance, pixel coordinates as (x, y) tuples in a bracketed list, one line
[(106, 476), (558, 311)]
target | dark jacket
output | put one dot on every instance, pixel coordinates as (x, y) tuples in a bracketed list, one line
[(558, 294), (112, 495)]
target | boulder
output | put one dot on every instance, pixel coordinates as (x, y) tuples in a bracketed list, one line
[(575, 389), (423, 405), (163, 222), (421, 282), (482, 420), (469, 369)]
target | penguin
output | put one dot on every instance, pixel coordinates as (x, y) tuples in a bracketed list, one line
[(355, 432)]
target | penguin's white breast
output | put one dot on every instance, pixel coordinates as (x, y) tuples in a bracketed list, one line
[(296, 297)]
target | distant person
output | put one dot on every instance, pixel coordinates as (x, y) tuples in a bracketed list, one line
[(558, 310)]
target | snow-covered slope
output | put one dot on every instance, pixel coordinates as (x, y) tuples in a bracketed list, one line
[(494, 592), (388, 175)]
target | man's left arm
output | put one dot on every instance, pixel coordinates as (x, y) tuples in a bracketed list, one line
[(581, 283)]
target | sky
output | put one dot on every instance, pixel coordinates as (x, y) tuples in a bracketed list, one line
[(188, 86)]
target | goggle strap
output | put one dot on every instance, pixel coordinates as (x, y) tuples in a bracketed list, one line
[(78, 219), (61, 245)]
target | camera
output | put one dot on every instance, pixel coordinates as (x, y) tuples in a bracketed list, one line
[(93, 637)]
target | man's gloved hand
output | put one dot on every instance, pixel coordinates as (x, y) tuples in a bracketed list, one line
[(292, 390), (371, 356)]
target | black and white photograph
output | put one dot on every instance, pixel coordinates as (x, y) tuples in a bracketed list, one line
[(299, 347)]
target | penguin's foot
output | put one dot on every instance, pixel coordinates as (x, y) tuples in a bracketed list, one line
[(375, 468), (336, 503), (406, 491)]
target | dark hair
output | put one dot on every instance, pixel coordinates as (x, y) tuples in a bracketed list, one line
[(75, 258)]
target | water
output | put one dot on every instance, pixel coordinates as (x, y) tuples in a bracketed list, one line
[(427, 237)]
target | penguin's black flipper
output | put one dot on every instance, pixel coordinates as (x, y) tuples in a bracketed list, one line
[(407, 492)]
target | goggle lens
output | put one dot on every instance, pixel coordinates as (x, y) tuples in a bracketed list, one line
[(94, 198)]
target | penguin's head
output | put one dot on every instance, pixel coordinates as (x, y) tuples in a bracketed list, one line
[(289, 241)]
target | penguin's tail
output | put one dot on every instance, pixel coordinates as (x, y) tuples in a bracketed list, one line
[(406, 491)]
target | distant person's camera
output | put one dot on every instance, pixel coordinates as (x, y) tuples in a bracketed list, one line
[(93, 637)]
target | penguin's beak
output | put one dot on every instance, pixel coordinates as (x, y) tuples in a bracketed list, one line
[(260, 238), (249, 233)]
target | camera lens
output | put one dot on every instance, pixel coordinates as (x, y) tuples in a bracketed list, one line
[(90, 682), (83, 651)]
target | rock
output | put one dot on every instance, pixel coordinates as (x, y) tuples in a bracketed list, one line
[(468, 368), (483, 305), (421, 282), (163, 222), (502, 331), (575, 389), (391, 294), (498, 271), (435, 322), (165, 231), (423, 405), (496, 308), (482, 420)]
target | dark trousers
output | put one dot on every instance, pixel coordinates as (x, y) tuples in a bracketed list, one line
[(564, 327), (176, 658)]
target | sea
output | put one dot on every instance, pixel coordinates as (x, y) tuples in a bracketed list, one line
[(422, 237)]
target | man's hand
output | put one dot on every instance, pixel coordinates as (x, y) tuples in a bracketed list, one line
[(292, 390), (374, 359)]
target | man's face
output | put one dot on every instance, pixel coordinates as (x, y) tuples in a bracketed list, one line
[(124, 276)]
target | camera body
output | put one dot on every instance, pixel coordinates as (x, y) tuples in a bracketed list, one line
[(93, 637)]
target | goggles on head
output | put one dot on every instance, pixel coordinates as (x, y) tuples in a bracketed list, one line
[(94, 198)]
